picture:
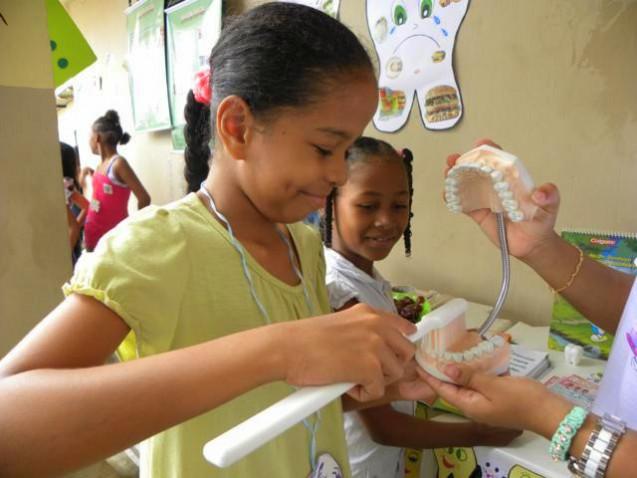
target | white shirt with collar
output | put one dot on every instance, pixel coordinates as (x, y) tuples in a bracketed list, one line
[(345, 282)]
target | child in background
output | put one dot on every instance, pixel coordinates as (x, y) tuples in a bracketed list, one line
[(76, 204), (214, 285), (364, 219), (113, 180)]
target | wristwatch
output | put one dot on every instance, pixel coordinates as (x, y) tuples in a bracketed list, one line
[(599, 448)]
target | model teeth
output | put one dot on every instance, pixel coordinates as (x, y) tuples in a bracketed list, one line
[(496, 175), (485, 347), (510, 204), (469, 355), (501, 186), (451, 198), (451, 182), (497, 340), (505, 195), (486, 169), (516, 216)]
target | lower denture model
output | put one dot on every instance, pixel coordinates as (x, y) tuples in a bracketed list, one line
[(449, 341)]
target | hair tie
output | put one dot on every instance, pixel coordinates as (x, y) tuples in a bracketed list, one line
[(202, 90)]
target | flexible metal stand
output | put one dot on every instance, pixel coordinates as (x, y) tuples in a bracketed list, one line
[(506, 275)]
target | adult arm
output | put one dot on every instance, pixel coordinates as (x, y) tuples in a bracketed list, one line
[(527, 405)]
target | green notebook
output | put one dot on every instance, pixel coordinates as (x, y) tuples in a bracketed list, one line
[(617, 250)]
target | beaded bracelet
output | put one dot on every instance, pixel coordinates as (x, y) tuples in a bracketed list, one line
[(561, 441)]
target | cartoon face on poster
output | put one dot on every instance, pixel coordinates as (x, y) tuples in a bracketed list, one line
[(327, 6), (457, 463), (414, 40)]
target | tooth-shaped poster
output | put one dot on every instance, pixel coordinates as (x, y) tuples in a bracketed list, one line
[(414, 40)]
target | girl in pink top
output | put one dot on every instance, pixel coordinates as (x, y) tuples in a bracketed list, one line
[(113, 180)]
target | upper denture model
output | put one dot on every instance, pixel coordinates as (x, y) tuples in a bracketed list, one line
[(489, 178)]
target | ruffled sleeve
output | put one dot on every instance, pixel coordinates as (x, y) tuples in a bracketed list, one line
[(139, 270)]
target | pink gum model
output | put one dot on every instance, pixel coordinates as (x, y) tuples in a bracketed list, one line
[(490, 178), (451, 342)]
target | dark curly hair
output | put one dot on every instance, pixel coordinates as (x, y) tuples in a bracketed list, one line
[(110, 129)]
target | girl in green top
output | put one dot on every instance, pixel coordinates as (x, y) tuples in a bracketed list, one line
[(212, 285)]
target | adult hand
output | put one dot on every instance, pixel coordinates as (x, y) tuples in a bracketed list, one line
[(358, 344), (526, 236), (511, 402)]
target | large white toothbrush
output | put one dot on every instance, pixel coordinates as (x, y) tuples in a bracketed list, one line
[(236, 443)]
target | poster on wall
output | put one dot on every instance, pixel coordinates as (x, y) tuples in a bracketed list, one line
[(414, 41), (70, 52), (193, 27), (327, 6), (147, 65)]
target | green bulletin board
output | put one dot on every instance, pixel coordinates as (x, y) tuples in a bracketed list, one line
[(147, 65), (193, 28)]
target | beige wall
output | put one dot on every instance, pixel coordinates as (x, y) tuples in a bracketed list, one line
[(34, 250), (551, 81)]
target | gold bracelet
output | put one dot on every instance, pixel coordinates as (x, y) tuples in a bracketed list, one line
[(574, 274)]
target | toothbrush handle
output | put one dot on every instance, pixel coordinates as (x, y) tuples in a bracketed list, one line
[(246, 437)]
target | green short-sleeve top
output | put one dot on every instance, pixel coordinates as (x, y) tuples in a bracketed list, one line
[(173, 276)]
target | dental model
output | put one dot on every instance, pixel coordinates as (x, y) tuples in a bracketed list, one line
[(249, 435), (450, 342), (489, 178)]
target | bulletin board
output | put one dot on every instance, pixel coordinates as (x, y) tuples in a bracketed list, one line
[(147, 65), (193, 27)]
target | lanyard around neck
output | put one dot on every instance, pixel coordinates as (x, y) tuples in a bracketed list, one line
[(244, 262), (312, 429)]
